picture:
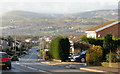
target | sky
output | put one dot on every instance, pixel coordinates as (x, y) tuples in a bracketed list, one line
[(57, 6)]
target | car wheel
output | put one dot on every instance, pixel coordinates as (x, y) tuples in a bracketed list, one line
[(9, 67), (82, 60)]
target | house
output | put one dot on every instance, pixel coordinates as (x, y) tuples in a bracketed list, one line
[(112, 27), (4, 44)]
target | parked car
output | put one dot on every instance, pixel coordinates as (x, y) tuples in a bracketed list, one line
[(14, 58), (5, 61), (81, 57), (38, 50)]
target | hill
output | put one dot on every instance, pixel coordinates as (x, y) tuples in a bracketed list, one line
[(31, 23), (102, 14)]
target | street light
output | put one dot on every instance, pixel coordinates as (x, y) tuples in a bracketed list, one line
[(12, 21)]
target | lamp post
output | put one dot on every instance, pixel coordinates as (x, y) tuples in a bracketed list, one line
[(12, 21)]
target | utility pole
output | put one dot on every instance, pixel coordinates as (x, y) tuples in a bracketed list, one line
[(15, 45), (14, 35)]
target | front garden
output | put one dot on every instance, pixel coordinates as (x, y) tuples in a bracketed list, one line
[(103, 51)]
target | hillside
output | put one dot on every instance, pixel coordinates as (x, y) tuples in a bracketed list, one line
[(31, 23), (25, 14), (101, 14)]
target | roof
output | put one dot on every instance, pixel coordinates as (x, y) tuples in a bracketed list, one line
[(103, 26), (77, 38)]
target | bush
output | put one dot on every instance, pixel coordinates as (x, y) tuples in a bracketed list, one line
[(60, 48), (84, 39), (108, 45), (93, 41), (117, 42), (112, 57), (48, 56), (79, 47), (94, 55)]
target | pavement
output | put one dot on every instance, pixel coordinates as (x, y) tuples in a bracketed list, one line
[(82, 66)]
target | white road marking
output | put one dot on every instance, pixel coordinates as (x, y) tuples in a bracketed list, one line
[(42, 71), (17, 62), (29, 58), (31, 68)]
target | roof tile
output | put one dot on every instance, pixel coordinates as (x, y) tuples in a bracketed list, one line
[(100, 26)]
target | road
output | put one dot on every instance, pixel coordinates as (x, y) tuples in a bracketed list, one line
[(30, 63)]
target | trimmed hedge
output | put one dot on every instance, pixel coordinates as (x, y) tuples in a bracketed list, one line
[(99, 41), (60, 48), (93, 41)]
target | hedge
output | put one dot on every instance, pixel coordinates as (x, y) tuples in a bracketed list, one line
[(93, 41), (60, 48), (99, 41)]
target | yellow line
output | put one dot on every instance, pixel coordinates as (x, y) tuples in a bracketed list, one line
[(92, 70)]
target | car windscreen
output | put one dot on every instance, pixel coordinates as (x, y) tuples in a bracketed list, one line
[(76, 54), (84, 52), (3, 55)]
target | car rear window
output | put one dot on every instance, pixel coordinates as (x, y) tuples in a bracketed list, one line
[(3, 55)]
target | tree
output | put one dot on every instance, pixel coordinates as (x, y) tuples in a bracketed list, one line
[(81, 46), (108, 45), (10, 40), (60, 48)]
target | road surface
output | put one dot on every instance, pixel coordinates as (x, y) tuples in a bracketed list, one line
[(30, 63)]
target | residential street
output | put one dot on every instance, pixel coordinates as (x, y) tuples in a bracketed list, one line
[(59, 36), (30, 63)]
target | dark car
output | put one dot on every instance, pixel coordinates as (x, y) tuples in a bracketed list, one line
[(14, 58), (81, 57), (5, 61)]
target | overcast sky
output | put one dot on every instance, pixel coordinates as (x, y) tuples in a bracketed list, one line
[(57, 6)]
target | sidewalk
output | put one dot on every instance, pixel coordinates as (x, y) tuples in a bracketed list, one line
[(82, 66)]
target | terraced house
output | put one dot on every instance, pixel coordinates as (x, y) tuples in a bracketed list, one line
[(112, 27)]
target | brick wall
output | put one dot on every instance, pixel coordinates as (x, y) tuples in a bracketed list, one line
[(114, 30), (119, 30)]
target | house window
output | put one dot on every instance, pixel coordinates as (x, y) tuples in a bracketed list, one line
[(92, 35)]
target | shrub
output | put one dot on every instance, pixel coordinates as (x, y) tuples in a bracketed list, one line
[(94, 55), (112, 57), (60, 48), (81, 46), (48, 56), (117, 42), (93, 41), (54, 48), (84, 39), (103, 41), (108, 45)]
